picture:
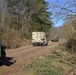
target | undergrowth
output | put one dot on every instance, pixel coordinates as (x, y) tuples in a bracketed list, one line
[(43, 67), (51, 64)]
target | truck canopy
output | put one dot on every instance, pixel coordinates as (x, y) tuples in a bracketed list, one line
[(36, 35)]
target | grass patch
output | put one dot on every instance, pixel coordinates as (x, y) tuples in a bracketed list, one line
[(51, 64), (43, 67)]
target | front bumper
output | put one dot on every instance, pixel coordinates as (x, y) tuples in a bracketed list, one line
[(37, 43)]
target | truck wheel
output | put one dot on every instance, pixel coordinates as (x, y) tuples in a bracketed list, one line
[(44, 44), (34, 45)]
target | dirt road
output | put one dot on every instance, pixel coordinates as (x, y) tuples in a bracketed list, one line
[(18, 58)]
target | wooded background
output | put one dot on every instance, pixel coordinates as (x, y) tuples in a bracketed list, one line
[(19, 18)]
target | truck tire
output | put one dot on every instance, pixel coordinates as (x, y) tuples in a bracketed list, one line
[(44, 44), (34, 45)]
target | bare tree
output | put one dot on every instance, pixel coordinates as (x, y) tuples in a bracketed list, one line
[(64, 10), (3, 9), (67, 12)]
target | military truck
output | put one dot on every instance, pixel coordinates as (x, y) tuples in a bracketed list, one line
[(39, 38), (55, 39)]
